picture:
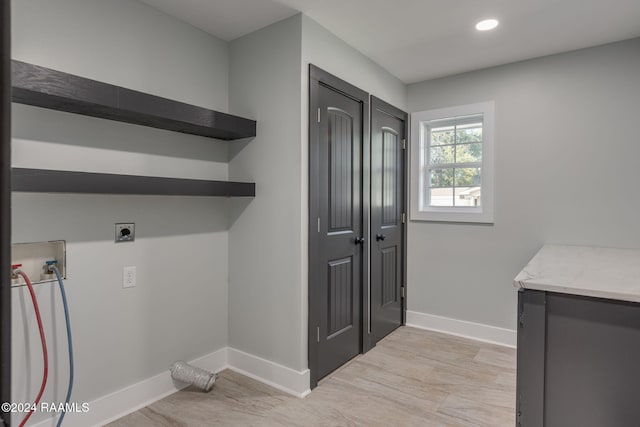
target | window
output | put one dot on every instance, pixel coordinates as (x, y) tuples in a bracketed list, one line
[(452, 164)]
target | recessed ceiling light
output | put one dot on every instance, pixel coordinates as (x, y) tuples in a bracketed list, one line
[(487, 24)]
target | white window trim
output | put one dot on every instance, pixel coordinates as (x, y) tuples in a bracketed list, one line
[(481, 214)]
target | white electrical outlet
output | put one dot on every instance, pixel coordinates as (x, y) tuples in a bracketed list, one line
[(129, 277)]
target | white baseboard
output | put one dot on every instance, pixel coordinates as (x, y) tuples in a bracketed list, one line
[(115, 405), (277, 376), (136, 396), (462, 328)]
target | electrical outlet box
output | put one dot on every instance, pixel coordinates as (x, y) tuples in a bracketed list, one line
[(33, 257), (125, 232), (129, 277)]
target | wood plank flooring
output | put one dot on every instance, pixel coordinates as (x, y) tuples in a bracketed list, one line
[(411, 378)]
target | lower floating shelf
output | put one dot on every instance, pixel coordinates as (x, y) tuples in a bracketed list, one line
[(55, 181)]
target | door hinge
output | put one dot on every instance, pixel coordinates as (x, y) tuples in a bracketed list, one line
[(521, 319), (404, 218), (404, 144), (402, 294), (318, 114), (318, 334)]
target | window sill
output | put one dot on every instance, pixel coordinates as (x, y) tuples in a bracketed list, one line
[(453, 215)]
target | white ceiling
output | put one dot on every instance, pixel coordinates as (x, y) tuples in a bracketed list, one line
[(422, 39), (226, 19)]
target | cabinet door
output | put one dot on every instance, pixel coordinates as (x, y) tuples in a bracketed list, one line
[(577, 361), (530, 358)]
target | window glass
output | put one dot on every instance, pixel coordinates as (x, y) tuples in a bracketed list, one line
[(452, 164), (458, 143)]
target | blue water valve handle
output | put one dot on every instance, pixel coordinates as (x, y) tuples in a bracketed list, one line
[(50, 264)]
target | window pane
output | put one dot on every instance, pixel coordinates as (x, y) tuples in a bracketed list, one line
[(441, 155), (467, 177), (441, 178), (451, 172), (467, 196), (468, 153), (442, 135), (469, 133), (441, 196)]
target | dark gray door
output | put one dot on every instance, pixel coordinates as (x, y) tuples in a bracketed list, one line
[(340, 229), (387, 208), (336, 222), (5, 209)]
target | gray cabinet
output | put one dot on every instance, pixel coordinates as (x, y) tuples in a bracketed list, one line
[(578, 361)]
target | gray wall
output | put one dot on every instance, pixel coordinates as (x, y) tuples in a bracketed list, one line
[(323, 49), (566, 173), (179, 308), (268, 238), (125, 43), (265, 291)]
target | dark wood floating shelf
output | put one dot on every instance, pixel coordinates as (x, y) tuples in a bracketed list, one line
[(43, 87), (55, 181)]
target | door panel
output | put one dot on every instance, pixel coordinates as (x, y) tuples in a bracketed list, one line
[(389, 184), (340, 229), (389, 279), (341, 173), (340, 296), (387, 229)]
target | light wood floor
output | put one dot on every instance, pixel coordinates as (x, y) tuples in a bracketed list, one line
[(411, 378)]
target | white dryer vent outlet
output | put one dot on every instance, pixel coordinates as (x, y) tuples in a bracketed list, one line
[(188, 374)]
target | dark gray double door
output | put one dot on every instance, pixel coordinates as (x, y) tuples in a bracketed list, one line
[(356, 238)]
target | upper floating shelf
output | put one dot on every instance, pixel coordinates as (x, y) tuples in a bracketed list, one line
[(44, 87)]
